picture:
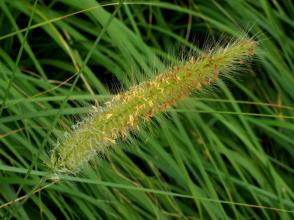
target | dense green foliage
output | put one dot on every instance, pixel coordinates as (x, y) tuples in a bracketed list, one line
[(224, 154)]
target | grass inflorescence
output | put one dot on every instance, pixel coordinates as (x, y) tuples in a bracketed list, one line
[(128, 109)]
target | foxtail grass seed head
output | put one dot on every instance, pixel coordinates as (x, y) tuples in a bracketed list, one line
[(128, 109)]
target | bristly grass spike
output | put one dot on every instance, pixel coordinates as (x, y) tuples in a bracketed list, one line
[(127, 110)]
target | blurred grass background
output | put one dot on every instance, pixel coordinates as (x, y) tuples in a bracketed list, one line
[(225, 155)]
